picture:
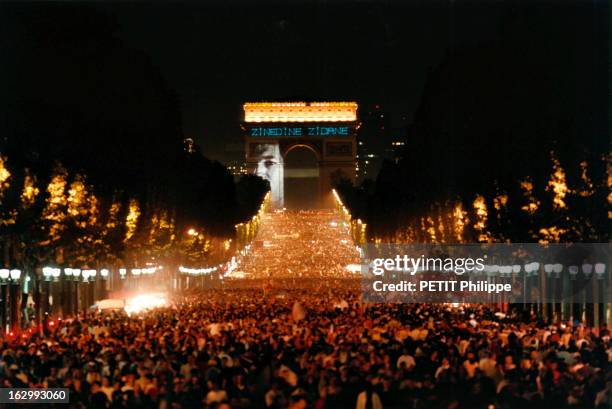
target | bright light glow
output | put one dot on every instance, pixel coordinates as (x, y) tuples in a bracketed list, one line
[(197, 271), (148, 270), (145, 302), (237, 274), (88, 273), (15, 274), (300, 112), (104, 272), (4, 273), (354, 268)]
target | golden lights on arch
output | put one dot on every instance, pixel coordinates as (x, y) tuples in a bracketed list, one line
[(300, 111)]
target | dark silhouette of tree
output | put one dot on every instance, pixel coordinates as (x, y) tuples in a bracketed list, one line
[(75, 95), (490, 116)]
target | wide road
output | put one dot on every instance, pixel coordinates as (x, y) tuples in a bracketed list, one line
[(301, 244)]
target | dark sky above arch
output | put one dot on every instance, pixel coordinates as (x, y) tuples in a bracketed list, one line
[(218, 54)]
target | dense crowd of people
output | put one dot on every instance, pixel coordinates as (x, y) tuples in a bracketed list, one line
[(314, 348), (273, 342), (304, 243)]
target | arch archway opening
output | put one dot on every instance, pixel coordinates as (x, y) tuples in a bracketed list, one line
[(301, 178)]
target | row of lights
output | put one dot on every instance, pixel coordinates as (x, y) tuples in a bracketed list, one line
[(532, 269), (198, 271), (300, 112), (260, 212), (233, 263), (235, 260), (54, 273), (359, 227), (13, 274), (345, 211), (139, 271), (301, 104)]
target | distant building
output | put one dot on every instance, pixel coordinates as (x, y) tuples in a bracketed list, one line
[(379, 138), (373, 139), (237, 168)]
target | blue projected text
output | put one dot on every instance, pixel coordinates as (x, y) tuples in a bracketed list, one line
[(264, 131)]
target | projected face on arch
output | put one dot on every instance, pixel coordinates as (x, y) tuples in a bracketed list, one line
[(270, 167)]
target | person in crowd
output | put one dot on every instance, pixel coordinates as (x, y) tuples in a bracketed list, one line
[(236, 348)]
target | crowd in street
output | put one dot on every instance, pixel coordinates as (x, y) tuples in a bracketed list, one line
[(273, 342), (298, 244), (316, 347)]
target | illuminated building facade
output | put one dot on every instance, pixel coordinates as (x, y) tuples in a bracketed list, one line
[(327, 129)]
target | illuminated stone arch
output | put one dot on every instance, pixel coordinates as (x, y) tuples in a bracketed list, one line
[(273, 129)]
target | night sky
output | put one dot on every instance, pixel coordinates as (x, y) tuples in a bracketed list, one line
[(217, 55)]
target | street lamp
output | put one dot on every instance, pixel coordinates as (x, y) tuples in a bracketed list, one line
[(573, 270), (600, 269), (548, 268), (557, 269), (47, 273), (15, 274), (4, 275), (587, 269), (13, 298)]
